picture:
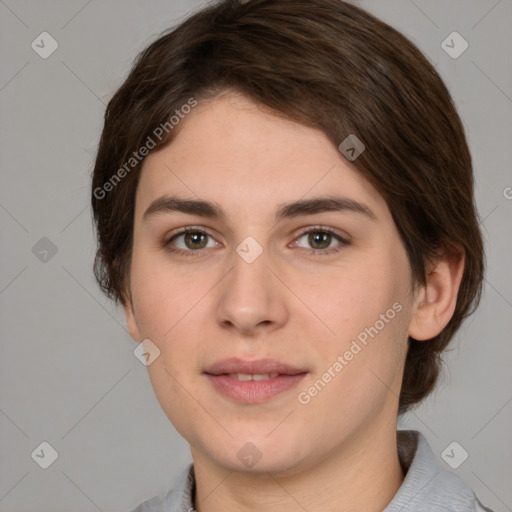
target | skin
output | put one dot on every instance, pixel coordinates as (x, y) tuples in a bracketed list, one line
[(337, 452)]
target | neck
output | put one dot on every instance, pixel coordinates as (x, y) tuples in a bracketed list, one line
[(363, 474)]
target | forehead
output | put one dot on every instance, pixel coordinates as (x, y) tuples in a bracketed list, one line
[(235, 152)]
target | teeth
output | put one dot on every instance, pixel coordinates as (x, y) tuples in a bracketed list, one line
[(255, 376)]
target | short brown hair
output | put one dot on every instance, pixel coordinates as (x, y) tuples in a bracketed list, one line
[(326, 64)]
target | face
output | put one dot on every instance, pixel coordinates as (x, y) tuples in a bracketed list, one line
[(318, 293)]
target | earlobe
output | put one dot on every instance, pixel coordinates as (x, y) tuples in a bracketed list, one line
[(436, 301)]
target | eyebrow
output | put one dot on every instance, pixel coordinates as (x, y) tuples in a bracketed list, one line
[(201, 208)]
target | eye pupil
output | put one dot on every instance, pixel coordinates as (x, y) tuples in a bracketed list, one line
[(313, 239), (195, 237)]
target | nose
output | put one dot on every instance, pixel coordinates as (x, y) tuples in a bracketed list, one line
[(251, 298)]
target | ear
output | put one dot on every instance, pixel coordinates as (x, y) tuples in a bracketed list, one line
[(435, 303), (131, 322)]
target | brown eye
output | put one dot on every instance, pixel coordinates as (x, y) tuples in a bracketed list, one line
[(195, 240), (189, 240), (320, 241)]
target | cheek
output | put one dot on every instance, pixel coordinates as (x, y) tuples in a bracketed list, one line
[(368, 311), (355, 299), (161, 298), (359, 368), (166, 306), (172, 310)]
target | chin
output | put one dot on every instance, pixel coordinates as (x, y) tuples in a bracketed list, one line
[(258, 454)]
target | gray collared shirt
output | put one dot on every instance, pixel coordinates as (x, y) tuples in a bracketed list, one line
[(427, 486)]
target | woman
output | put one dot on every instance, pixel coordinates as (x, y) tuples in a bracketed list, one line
[(284, 201)]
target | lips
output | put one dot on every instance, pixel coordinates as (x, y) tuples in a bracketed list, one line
[(260, 366), (252, 382)]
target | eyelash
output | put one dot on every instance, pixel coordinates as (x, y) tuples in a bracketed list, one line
[(314, 229)]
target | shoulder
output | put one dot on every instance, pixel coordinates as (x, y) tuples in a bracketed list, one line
[(428, 487), (154, 504), (178, 498)]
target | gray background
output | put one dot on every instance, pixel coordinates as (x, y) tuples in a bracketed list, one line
[(67, 371)]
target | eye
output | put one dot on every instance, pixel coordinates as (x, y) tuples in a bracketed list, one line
[(193, 239), (190, 239), (320, 239)]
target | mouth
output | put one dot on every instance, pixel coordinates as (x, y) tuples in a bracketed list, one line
[(253, 382)]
